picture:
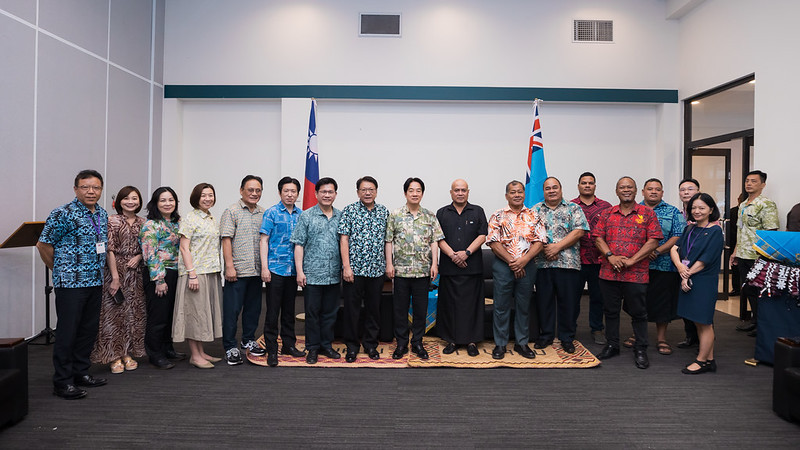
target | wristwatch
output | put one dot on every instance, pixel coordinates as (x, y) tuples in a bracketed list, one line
[(468, 252), (609, 254), (658, 253)]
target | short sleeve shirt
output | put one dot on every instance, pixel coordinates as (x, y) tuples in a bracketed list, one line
[(366, 232), (459, 231), (318, 236), (203, 233), (411, 237), (672, 224), (74, 233), (278, 224), (589, 252), (760, 214), (626, 235), (242, 225), (516, 231), (559, 222)]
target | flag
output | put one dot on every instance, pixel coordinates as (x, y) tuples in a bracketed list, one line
[(312, 161), (536, 172)]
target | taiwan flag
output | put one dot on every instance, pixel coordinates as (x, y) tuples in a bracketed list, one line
[(536, 172), (312, 161)]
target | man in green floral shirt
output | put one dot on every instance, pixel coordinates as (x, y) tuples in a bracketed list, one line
[(755, 213), (412, 236)]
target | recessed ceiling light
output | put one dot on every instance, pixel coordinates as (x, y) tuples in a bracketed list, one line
[(696, 102)]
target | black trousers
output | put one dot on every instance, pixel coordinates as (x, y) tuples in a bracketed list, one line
[(366, 291), (631, 297), (414, 292), (558, 296), (748, 292), (281, 294), (158, 333), (78, 311)]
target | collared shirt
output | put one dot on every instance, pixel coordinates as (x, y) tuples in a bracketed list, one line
[(559, 222), (626, 235), (516, 231), (74, 233), (366, 232), (459, 231), (411, 237), (160, 244), (203, 233), (242, 225), (760, 214), (672, 224), (589, 252), (278, 224), (317, 234)]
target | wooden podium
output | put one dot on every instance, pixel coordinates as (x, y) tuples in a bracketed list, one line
[(27, 235)]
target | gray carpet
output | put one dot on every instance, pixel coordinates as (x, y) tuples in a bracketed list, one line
[(613, 406)]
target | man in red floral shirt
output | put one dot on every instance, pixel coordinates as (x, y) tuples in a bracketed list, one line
[(626, 234)]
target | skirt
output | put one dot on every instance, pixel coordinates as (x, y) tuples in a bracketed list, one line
[(198, 314)]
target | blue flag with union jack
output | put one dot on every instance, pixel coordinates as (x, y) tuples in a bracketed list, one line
[(536, 172), (312, 161)]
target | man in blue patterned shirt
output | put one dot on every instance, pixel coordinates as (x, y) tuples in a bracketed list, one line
[(319, 268), (362, 235), (278, 271), (662, 289), (73, 244), (558, 267)]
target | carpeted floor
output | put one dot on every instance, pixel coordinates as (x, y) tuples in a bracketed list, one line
[(614, 405)]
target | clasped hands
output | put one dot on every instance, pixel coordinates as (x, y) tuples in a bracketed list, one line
[(618, 262)]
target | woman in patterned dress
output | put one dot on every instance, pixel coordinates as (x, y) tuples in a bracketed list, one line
[(198, 306), (121, 332)]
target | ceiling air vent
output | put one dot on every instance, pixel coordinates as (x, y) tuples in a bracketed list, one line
[(379, 25), (593, 31)]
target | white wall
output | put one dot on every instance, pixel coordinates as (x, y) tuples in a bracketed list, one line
[(722, 40)]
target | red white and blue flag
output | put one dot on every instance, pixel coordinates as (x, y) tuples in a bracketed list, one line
[(312, 161), (536, 172)]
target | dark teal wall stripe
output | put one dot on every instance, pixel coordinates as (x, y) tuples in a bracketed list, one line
[(423, 93)]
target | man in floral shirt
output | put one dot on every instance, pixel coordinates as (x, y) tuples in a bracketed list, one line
[(412, 259), (362, 244)]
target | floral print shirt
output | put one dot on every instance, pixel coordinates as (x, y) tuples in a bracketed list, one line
[(366, 232), (203, 233), (160, 244), (411, 237)]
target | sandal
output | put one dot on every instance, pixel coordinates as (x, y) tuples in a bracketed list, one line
[(629, 342), (664, 348), (130, 363), (705, 366), (117, 367)]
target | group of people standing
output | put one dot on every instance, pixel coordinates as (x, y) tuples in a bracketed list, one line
[(163, 278)]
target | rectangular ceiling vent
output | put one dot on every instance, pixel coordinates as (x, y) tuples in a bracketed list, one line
[(593, 31), (379, 25)]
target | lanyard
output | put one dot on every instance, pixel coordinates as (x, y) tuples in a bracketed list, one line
[(689, 242), (97, 229)]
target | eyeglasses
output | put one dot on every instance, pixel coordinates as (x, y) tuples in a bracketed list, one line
[(367, 190), (90, 188)]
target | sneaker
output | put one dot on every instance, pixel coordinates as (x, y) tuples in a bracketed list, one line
[(254, 348), (233, 357), (599, 338)]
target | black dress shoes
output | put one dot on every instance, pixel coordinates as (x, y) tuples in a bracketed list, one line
[(451, 347), (329, 353), (373, 354), (524, 351), (272, 359), (351, 357), (745, 326), (688, 342), (69, 392), (498, 352), (176, 356), (640, 358), (472, 350), (311, 357), (399, 352), (543, 343), (568, 346), (163, 364), (753, 333), (607, 352), (420, 351), (90, 381), (292, 351)]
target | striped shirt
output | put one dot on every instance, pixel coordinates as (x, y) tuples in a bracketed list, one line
[(242, 225)]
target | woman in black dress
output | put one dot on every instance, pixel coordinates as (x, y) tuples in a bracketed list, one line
[(697, 256)]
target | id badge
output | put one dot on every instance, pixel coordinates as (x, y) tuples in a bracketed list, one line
[(685, 262), (100, 247)]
